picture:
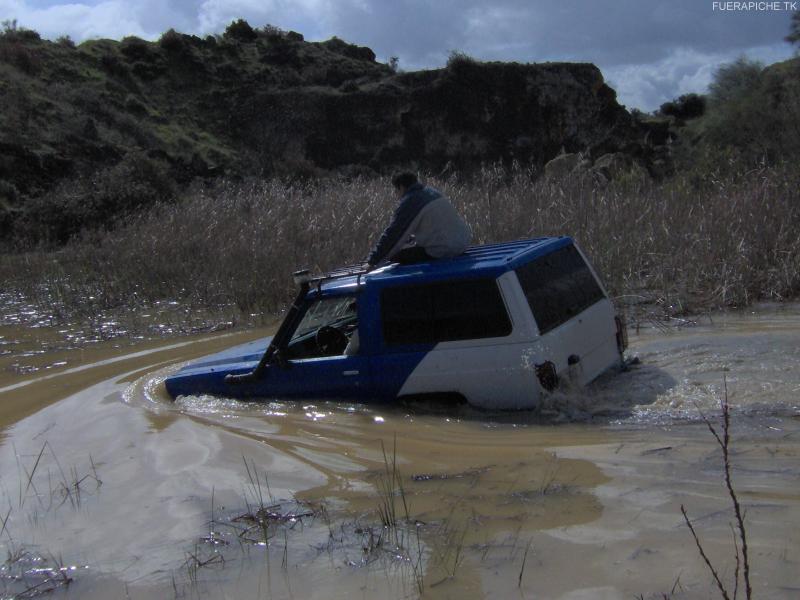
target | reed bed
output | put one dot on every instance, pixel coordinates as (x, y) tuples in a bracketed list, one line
[(687, 244)]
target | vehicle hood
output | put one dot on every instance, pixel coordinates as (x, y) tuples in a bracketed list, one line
[(206, 375)]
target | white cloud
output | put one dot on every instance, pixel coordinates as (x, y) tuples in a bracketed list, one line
[(647, 86), (110, 19), (314, 18), (9, 8), (214, 15)]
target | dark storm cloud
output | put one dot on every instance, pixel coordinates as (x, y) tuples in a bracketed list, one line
[(650, 51), (612, 32)]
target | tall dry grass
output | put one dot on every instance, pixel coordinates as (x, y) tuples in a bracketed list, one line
[(687, 244)]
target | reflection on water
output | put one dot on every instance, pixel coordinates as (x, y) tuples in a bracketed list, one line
[(580, 499), (39, 335)]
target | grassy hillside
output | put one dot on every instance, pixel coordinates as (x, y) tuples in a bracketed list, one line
[(164, 110), (93, 132)]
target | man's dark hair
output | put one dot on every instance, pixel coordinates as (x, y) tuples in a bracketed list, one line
[(404, 180)]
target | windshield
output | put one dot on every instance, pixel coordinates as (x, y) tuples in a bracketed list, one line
[(326, 311)]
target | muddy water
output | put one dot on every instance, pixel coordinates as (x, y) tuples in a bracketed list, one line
[(137, 496)]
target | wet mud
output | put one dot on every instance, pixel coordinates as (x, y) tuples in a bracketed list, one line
[(127, 493)]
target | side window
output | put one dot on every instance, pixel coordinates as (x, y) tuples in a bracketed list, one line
[(443, 311), (558, 286)]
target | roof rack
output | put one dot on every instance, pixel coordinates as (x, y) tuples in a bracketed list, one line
[(318, 280)]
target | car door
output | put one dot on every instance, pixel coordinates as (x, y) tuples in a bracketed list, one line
[(342, 377), (311, 372)]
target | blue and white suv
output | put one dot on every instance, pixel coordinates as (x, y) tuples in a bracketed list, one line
[(498, 325)]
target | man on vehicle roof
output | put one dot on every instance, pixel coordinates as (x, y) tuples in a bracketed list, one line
[(425, 226)]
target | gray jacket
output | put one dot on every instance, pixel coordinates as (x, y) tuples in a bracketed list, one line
[(424, 218)]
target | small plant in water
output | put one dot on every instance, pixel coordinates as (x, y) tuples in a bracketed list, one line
[(742, 561), (263, 519), (25, 574)]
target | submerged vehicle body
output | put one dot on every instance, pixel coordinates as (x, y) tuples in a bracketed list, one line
[(498, 325)]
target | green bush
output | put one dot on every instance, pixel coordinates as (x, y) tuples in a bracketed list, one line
[(112, 65), (794, 32), (96, 202), (735, 80), (341, 47), (135, 48), (11, 31), (15, 48), (685, 107), (65, 41), (240, 30), (753, 114), (271, 31), (457, 59), (172, 41), (462, 67)]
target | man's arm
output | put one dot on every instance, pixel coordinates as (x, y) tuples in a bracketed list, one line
[(396, 230)]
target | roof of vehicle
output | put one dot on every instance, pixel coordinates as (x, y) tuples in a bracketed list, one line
[(491, 260)]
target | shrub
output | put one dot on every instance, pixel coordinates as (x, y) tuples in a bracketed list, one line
[(9, 28), (457, 59), (135, 48), (113, 65), (147, 70), (685, 107), (349, 50), (735, 80), (637, 114), (794, 31), (755, 111), (98, 201), (11, 31), (462, 68), (65, 41), (271, 31), (172, 41), (17, 54), (240, 30)]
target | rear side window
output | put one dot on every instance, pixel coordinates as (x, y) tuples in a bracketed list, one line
[(443, 311), (558, 286)]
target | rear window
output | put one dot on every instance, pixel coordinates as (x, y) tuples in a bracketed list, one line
[(443, 311), (558, 286)]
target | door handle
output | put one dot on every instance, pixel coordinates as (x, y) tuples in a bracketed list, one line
[(349, 373)]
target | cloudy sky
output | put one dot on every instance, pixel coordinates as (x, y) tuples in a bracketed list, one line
[(650, 51)]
